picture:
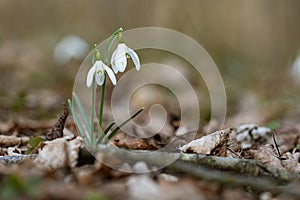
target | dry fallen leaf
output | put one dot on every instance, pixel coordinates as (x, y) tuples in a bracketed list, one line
[(292, 163), (60, 152), (287, 136), (143, 187), (126, 141), (207, 143), (267, 155), (249, 135), (12, 151), (57, 130), (7, 141)]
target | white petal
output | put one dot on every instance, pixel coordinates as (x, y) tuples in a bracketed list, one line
[(113, 63), (90, 75), (121, 63), (100, 78), (99, 73), (134, 58), (111, 75), (120, 57)]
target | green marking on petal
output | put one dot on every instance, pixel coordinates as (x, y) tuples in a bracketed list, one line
[(99, 72)]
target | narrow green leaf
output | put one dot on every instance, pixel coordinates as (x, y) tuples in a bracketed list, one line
[(124, 123), (80, 129), (82, 112), (100, 138), (109, 127)]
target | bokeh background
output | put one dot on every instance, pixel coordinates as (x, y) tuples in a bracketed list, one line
[(254, 44)]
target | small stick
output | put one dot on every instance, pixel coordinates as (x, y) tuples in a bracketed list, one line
[(276, 146)]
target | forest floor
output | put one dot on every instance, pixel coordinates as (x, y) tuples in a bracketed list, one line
[(40, 159)]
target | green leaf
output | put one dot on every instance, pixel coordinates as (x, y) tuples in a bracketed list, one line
[(76, 120), (124, 123), (109, 127), (35, 141), (82, 112), (273, 125)]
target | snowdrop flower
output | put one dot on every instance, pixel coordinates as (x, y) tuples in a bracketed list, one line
[(119, 58), (98, 70)]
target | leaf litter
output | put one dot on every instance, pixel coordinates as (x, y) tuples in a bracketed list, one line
[(55, 155)]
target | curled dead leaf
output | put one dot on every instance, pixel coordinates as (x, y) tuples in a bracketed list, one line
[(206, 144), (292, 162), (250, 135), (60, 152), (267, 155), (7, 141)]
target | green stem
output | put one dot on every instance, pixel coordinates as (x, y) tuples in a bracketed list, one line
[(108, 47), (81, 110), (80, 129), (92, 136), (109, 43), (102, 102), (100, 132), (120, 37)]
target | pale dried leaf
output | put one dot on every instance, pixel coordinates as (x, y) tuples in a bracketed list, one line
[(143, 187), (267, 155), (167, 178), (250, 135), (292, 162), (6, 126), (287, 136), (12, 151), (140, 167), (207, 143), (59, 153), (7, 141)]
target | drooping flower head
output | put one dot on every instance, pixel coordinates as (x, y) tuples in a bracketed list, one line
[(98, 71), (119, 57)]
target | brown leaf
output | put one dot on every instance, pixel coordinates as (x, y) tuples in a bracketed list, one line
[(7, 141), (267, 155), (57, 129), (126, 141), (292, 162)]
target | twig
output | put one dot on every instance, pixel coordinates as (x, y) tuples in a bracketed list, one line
[(257, 183), (276, 146), (157, 158)]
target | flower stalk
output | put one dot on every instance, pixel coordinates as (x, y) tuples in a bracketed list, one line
[(97, 75)]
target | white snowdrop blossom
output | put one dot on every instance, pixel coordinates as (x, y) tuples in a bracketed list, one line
[(119, 58), (98, 71)]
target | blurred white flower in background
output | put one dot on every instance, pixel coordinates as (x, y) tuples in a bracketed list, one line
[(70, 47), (295, 71)]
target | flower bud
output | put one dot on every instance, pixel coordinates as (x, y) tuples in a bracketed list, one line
[(98, 55)]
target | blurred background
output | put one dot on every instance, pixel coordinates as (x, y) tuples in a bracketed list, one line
[(254, 43)]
